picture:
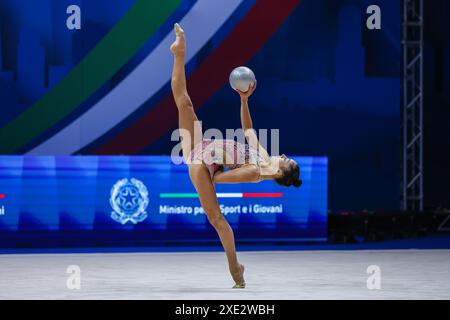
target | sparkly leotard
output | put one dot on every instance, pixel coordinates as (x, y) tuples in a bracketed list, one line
[(217, 154)]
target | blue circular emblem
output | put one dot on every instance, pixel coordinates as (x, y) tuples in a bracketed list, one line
[(129, 200)]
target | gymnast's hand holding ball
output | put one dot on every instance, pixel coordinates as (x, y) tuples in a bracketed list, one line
[(245, 95)]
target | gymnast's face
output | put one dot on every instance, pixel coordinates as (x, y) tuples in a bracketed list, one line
[(283, 163)]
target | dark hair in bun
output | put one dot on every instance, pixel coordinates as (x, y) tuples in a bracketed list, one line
[(290, 177)]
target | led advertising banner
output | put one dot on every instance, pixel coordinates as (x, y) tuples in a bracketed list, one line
[(126, 200)]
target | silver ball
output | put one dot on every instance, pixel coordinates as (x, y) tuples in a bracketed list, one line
[(241, 78)]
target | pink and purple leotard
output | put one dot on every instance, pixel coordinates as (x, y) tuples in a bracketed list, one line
[(217, 154)]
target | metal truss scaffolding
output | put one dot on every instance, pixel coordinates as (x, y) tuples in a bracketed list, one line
[(412, 106)]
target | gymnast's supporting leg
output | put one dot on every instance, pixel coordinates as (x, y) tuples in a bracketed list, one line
[(199, 174), (202, 182)]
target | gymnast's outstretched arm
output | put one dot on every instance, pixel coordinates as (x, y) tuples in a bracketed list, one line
[(247, 124)]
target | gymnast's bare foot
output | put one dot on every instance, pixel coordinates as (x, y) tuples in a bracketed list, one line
[(179, 45), (238, 277)]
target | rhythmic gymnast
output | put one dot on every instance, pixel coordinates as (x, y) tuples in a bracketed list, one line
[(223, 161)]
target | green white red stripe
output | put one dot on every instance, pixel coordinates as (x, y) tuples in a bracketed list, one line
[(142, 21), (226, 195), (141, 84), (97, 129)]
